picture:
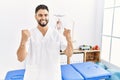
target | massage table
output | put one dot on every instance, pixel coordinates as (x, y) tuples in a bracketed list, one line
[(74, 71)]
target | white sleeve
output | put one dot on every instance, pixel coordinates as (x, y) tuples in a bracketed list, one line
[(63, 43), (27, 45)]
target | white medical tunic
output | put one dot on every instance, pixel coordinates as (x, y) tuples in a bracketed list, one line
[(43, 58)]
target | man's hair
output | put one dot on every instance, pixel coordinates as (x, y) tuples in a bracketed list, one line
[(41, 6)]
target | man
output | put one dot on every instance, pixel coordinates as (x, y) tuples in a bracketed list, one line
[(42, 57)]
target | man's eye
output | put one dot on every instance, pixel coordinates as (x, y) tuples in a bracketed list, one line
[(40, 15), (46, 15)]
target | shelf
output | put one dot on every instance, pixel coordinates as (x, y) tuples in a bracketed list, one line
[(88, 55)]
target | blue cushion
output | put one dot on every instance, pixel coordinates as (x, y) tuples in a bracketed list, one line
[(15, 75), (91, 71), (69, 73)]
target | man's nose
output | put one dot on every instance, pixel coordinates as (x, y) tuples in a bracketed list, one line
[(43, 17)]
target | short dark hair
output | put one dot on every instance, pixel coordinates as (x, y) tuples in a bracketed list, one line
[(41, 6)]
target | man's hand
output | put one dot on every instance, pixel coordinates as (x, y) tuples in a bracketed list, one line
[(21, 52), (25, 35), (69, 49), (66, 33)]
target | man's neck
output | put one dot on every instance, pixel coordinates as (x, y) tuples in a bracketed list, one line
[(43, 30)]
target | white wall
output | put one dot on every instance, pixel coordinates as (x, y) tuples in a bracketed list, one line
[(19, 14)]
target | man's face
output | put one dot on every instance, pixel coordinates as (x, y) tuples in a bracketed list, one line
[(42, 17)]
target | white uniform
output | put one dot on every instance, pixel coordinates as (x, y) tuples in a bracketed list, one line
[(43, 59)]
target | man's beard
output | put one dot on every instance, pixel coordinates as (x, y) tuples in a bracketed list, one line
[(43, 24)]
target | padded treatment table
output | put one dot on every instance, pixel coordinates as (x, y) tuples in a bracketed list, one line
[(91, 71), (75, 71), (69, 73)]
